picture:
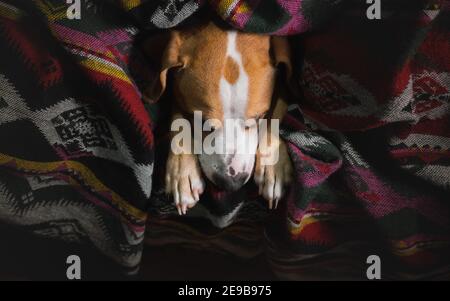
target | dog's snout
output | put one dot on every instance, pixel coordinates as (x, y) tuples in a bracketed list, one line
[(230, 183), (227, 172), (231, 171)]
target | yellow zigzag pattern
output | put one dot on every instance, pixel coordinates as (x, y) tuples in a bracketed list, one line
[(85, 173), (130, 4), (53, 12), (9, 11)]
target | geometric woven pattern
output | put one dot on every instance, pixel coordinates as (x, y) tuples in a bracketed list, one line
[(369, 135)]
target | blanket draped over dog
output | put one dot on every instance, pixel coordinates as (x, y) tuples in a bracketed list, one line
[(368, 132)]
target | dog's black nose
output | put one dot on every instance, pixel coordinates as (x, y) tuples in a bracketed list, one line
[(230, 183)]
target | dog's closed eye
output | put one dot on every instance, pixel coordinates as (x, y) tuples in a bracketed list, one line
[(252, 122), (208, 125)]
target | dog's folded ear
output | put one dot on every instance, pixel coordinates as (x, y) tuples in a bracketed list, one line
[(163, 50), (281, 56)]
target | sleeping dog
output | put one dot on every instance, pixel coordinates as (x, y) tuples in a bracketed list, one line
[(228, 76)]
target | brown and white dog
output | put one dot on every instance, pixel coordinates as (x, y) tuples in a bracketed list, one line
[(227, 75)]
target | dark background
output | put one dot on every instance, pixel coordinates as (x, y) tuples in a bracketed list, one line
[(46, 260)]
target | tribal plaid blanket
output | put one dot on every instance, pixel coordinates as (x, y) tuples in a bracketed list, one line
[(80, 153)]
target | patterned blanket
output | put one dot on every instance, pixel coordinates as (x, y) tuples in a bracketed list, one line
[(81, 154)]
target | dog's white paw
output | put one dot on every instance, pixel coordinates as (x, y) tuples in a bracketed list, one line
[(184, 181), (273, 179)]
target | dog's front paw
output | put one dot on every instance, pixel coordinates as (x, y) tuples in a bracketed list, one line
[(273, 175), (184, 181)]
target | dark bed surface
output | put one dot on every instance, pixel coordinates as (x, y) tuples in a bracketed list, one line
[(27, 257)]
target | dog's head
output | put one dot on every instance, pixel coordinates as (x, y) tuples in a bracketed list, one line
[(229, 76)]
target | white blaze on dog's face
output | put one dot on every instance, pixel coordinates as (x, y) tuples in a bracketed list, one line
[(228, 76), (238, 135)]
